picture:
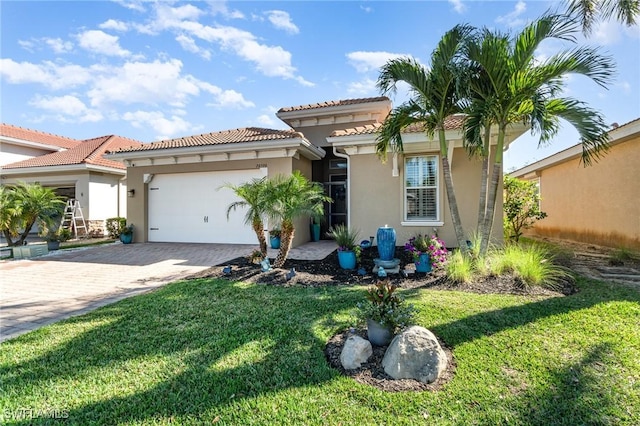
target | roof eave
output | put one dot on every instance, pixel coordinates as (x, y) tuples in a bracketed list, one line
[(330, 110), (31, 144), (34, 170)]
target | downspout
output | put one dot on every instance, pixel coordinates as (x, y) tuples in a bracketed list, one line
[(346, 157)]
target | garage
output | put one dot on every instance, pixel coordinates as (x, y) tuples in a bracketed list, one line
[(192, 207)]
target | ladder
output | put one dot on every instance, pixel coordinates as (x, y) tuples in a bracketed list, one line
[(73, 218)]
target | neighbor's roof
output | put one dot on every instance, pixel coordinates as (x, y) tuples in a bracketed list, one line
[(326, 104), (89, 151), (249, 134), (452, 122), (16, 132)]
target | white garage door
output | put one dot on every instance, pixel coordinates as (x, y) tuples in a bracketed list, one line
[(190, 208)]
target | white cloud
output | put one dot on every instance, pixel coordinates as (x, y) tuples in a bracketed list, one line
[(100, 42), (361, 88), (266, 120), (165, 128), (220, 8), (50, 74), (231, 99), (27, 45), (607, 33), (512, 19), (132, 5), (67, 106), (369, 61), (58, 45), (189, 45), (144, 82), (458, 6), (115, 25), (281, 20), (366, 9)]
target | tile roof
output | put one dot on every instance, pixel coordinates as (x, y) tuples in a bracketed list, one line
[(249, 134), (333, 104), (89, 151), (452, 122), (16, 132)]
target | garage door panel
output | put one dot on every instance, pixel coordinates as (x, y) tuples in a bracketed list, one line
[(191, 207)]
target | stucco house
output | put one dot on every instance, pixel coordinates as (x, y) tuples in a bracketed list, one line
[(75, 169), (177, 183), (598, 204)]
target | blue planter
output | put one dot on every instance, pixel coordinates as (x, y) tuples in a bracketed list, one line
[(424, 264), (386, 243), (347, 259), (275, 242), (126, 238), (315, 231)]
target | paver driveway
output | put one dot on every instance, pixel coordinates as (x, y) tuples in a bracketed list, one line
[(44, 290)]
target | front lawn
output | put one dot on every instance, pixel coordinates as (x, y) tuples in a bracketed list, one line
[(213, 351)]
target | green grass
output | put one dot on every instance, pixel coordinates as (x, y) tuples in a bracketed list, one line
[(210, 351), (85, 243)]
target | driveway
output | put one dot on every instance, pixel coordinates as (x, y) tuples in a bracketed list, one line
[(44, 290)]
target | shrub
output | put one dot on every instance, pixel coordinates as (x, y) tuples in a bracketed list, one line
[(115, 226), (521, 206), (460, 268), (344, 236), (386, 307)]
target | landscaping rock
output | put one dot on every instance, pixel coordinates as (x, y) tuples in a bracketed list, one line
[(415, 354), (356, 351)]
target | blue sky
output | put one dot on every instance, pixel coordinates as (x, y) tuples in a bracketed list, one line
[(158, 70)]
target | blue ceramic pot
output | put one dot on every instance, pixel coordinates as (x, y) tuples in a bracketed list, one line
[(275, 242), (126, 238), (347, 259), (386, 243), (424, 264)]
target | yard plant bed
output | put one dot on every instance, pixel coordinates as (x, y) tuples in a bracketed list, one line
[(326, 272)]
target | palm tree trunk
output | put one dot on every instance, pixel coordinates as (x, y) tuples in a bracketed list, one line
[(286, 237), (8, 238), (258, 228), (451, 196), (493, 192), (486, 153)]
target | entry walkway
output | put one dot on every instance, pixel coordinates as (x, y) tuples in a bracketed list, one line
[(41, 291)]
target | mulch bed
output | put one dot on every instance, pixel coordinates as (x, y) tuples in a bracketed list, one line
[(326, 272)]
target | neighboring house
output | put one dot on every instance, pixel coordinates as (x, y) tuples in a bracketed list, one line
[(78, 172), (177, 183), (598, 204), (17, 144)]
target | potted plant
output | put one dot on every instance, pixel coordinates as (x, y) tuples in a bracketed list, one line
[(385, 312), (274, 238), (54, 238), (348, 250), (427, 252), (126, 236), (314, 227)]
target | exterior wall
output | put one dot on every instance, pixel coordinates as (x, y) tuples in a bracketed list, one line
[(599, 204), (137, 207), (103, 196), (377, 198), (10, 153), (79, 180)]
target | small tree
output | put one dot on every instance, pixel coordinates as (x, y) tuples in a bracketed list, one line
[(521, 206), (252, 196), (24, 205)]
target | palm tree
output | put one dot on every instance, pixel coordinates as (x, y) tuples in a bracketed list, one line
[(511, 86), (252, 198), (23, 206), (434, 97), (590, 11), (288, 198)]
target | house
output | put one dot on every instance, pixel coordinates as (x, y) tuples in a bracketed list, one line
[(178, 183), (598, 204), (75, 169)]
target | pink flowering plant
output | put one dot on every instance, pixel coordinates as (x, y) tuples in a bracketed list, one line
[(433, 246)]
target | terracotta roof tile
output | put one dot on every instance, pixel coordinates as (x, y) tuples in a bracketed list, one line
[(16, 132), (333, 104), (249, 134), (89, 151), (452, 122)]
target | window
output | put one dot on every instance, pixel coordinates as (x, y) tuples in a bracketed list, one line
[(421, 188), (338, 163)]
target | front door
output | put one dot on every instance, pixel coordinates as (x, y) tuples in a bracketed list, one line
[(337, 189)]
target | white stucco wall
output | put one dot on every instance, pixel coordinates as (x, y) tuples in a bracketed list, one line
[(10, 153)]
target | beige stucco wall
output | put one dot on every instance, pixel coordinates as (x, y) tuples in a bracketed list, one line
[(599, 204), (377, 198), (137, 207)]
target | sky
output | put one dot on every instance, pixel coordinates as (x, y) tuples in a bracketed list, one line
[(158, 70)]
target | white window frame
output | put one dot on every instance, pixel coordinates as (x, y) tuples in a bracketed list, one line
[(412, 222)]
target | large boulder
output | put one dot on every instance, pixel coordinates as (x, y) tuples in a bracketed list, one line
[(356, 350), (415, 354)]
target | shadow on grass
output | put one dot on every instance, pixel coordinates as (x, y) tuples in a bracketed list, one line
[(487, 323), (201, 326)]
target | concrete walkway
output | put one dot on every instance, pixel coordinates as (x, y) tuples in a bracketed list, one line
[(44, 290)]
